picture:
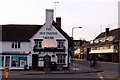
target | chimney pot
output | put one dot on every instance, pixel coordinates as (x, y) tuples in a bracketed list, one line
[(107, 32)]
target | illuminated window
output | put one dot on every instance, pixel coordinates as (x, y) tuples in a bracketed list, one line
[(18, 60)]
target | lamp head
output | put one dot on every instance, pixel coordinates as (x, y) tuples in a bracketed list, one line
[(80, 27)]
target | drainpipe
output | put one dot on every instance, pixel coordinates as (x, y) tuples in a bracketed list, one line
[(119, 50)]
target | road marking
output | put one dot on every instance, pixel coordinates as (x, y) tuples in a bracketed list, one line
[(75, 68), (100, 75)]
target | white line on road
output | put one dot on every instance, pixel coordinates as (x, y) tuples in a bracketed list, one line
[(100, 75), (75, 69)]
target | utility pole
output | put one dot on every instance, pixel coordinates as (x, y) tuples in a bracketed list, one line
[(73, 45)]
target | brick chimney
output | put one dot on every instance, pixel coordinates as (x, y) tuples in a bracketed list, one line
[(106, 32), (49, 16), (58, 21)]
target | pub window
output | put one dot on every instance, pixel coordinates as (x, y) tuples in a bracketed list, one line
[(61, 59), (12, 44), (60, 44), (18, 44), (38, 44), (15, 45)]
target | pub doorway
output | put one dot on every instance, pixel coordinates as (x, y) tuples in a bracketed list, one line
[(34, 61), (47, 62)]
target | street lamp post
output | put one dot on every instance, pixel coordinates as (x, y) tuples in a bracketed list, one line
[(73, 45), (73, 29), (119, 51)]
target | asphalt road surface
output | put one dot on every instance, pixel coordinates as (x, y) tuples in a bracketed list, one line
[(80, 70), (111, 71), (21, 76)]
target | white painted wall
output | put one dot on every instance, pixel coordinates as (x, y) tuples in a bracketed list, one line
[(48, 27), (24, 47), (48, 42), (53, 59), (103, 51)]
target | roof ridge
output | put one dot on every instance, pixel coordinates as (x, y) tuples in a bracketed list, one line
[(20, 24)]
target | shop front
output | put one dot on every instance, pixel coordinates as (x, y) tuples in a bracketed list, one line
[(13, 61), (107, 57)]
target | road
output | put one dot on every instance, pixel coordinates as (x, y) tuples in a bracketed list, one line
[(14, 75), (110, 70), (106, 71)]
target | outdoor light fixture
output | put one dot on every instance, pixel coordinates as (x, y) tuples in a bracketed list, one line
[(73, 47)]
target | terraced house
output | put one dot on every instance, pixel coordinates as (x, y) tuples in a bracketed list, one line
[(106, 45), (37, 46)]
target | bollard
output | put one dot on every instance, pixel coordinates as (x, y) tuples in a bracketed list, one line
[(6, 72)]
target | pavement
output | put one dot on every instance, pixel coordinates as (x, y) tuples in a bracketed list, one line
[(73, 69), (79, 67)]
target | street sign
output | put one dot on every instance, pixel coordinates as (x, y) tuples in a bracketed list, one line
[(6, 72), (7, 69)]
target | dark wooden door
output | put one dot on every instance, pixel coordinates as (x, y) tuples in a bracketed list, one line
[(35, 61), (47, 61)]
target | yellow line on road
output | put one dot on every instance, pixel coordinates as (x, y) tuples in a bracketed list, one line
[(100, 75)]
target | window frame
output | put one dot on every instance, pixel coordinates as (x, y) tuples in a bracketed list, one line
[(38, 43), (60, 44), (61, 59), (16, 45)]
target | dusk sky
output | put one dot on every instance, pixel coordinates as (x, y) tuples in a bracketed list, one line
[(92, 15)]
